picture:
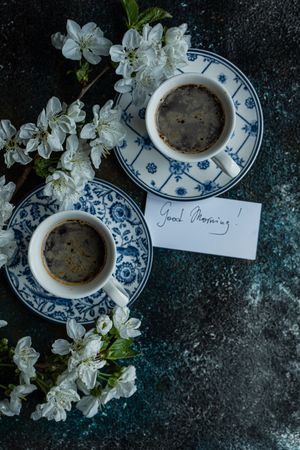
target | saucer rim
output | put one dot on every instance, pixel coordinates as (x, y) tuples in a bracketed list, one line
[(234, 180), (147, 232)]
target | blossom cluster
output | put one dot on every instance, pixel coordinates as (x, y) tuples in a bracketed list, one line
[(61, 130), (148, 58), (24, 358), (87, 42), (7, 242), (90, 376)]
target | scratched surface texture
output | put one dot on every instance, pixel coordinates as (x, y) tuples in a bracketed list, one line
[(220, 366)]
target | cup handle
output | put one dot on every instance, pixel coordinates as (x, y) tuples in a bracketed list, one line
[(116, 292), (226, 163)]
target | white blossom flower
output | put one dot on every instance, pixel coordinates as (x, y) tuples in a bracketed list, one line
[(89, 362), (59, 400), (177, 45), (25, 358), (124, 386), (75, 111), (89, 405), (146, 60), (3, 323), (145, 82), (88, 41), (59, 122), (64, 188), (84, 350), (13, 406), (103, 325), (11, 143), (151, 53), (106, 131), (8, 246), (151, 36), (40, 137), (177, 38), (127, 328), (84, 360), (76, 332), (69, 377), (76, 159), (6, 192), (127, 53)]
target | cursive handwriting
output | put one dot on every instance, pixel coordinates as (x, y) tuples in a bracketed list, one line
[(197, 216), (167, 217)]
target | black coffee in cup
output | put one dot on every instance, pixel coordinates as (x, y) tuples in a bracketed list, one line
[(190, 118), (74, 252)]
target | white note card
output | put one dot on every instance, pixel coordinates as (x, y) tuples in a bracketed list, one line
[(216, 226)]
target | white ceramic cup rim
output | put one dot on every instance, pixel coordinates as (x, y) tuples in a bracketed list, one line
[(180, 80), (35, 256)]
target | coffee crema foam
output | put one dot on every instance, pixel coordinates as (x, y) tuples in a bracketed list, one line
[(190, 119), (74, 252)]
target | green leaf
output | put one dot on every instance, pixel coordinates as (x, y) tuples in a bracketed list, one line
[(44, 167), (150, 15), (132, 11), (121, 349)]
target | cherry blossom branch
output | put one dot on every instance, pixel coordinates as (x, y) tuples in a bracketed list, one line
[(25, 174), (88, 86)]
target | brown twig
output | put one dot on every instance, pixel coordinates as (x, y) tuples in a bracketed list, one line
[(21, 180), (88, 86)]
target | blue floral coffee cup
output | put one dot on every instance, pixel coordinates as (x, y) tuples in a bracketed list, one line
[(216, 151), (102, 280)]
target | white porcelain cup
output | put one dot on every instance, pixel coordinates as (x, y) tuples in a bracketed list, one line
[(103, 280), (216, 151)]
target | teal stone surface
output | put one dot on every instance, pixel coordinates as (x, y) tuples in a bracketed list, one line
[(221, 337)]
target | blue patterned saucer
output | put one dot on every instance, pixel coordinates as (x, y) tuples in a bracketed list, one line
[(134, 251), (154, 172)]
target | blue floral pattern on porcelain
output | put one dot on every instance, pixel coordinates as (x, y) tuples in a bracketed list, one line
[(134, 251), (250, 103), (203, 164), (154, 172), (151, 167)]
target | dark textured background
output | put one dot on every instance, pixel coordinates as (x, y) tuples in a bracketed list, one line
[(221, 343)]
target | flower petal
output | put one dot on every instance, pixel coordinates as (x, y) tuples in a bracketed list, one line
[(27, 130), (116, 53), (58, 40), (131, 39), (72, 143), (53, 107), (120, 316), (61, 347), (73, 29), (96, 155), (54, 142), (71, 50), (88, 28), (32, 145), (124, 85), (88, 405), (75, 330), (7, 130), (91, 57), (101, 46), (88, 131)]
